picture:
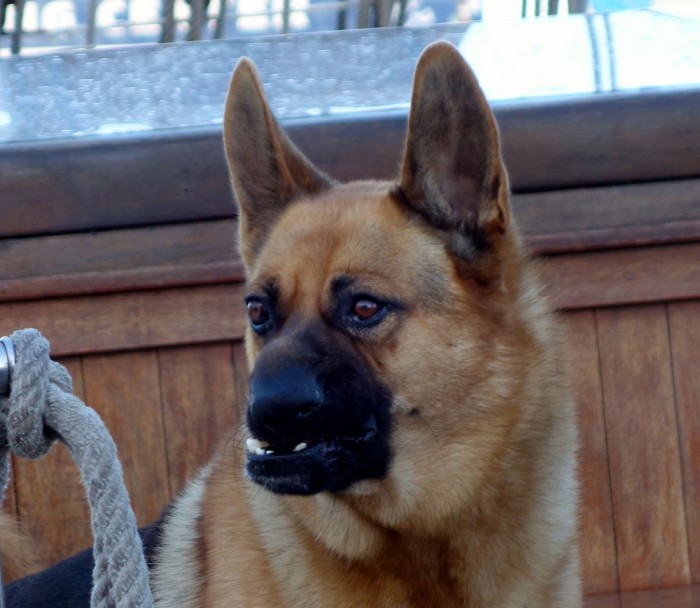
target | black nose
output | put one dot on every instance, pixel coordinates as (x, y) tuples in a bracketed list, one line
[(285, 403)]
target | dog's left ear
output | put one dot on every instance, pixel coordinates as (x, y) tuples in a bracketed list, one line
[(452, 172), (268, 172)]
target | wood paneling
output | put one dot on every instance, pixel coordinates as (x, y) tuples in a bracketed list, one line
[(205, 254), (628, 276), (682, 597), (50, 497), (124, 389), (684, 322), (598, 556), (610, 217), (166, 410), (643, 450), (126, 321), (120, 260), (199, 406)]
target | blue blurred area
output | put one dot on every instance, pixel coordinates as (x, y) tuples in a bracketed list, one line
[(608, 6)]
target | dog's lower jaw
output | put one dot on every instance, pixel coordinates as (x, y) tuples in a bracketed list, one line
[(326, 466)]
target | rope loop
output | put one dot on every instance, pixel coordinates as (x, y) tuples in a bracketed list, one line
[(39, 410)]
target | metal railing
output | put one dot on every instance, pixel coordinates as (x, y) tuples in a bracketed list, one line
[(204, 19), (171, 20)]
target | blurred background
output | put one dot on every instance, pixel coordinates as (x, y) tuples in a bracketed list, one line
[(39, 26)]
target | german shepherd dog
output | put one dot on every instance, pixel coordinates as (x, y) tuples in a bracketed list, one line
[(410, 435)]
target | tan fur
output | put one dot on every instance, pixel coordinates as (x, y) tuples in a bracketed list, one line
[(478, 508), (19, 552)]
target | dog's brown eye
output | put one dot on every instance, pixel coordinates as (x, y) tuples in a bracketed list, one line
[(257, 313), (360, 312), (364, 309)]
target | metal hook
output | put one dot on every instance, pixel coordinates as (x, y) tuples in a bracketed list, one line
[(7, 364)]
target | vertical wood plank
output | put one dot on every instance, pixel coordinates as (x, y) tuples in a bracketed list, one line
[(124, 388), (684, 323), (643, 447), (198, 406), (598, 556), (50, 497)]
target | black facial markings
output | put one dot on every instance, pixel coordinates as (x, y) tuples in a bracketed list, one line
[(314, 389)]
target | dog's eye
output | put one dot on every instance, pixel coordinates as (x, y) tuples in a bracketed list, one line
[(367, 311), (259, 315), (364, 309)]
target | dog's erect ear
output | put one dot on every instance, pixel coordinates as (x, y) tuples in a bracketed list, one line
[(452, 172), (267, 170)]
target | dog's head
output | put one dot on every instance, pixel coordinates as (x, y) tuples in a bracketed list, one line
[(377, 309)]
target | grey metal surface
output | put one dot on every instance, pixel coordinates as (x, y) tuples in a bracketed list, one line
[(100, 93), (7, 364)]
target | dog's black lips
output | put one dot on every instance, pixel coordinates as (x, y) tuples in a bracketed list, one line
[(326, 464)]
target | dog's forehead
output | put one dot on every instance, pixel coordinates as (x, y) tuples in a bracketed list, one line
[(357, 230)]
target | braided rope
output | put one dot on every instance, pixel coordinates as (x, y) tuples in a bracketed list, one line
[(40, 409)]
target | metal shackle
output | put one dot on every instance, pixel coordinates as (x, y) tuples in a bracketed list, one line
[(7, 364)]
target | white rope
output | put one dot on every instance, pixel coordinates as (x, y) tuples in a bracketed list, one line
[(41, 408)]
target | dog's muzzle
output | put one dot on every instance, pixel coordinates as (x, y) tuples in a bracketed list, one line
[(315, 428)]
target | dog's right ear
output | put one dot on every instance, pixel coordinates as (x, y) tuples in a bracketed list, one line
[(452, 172), (267, 171)]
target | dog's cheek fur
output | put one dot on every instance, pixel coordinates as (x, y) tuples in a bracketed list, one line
[(468, 419), (491, 456)]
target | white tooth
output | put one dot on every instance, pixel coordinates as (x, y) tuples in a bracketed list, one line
[(269, 451), (259, 451), (300, 447), (254, 445)]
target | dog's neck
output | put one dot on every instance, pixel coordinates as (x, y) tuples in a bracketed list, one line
[(330, 545), (354, 541)]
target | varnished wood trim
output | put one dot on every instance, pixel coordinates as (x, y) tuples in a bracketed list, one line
[(627, 276), (126, 321), (573, 222), (181, 175), (178, 255), (565, 221), (679, 597)]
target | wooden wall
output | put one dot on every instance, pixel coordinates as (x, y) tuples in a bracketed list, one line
[(146, 312), (165, 368), (632, 368), (166, 409)]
